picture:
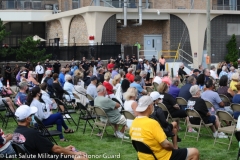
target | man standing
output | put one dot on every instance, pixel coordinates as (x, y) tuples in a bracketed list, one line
[(48, 65), (27, 66), (134, 62), (162, 62), (33, 140), (149, 131), (154, 64), (8, 74), (111, 109), (56, 67), (40, 71)]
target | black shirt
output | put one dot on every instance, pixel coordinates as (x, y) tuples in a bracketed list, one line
[(59, 90), (101, 78), (127, 64), (27, 65), (154, 62), (181, 72), (8, 68), (200, 107), (134, 61), (33, 141), (169, 102), (48, 65), (56, 67), (85, 65)]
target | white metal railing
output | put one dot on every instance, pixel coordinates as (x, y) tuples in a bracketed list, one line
[(180, 51)]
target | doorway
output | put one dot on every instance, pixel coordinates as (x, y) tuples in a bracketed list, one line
[(152, 45)]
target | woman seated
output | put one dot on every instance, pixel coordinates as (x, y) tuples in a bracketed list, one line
[(116, 81), (78, 75), (108, 85), (171, 103), (171, 130), (46, 98), (234, 81), (130, 103), (44, 113), (32, 80), (68, 86), (197, 103), (236, 99), (224, 89), (80, 91), (121, 90), (57, 87)]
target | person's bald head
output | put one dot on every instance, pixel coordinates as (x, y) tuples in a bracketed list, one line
[(101, 90)]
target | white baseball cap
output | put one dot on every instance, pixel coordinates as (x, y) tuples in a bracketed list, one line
[(155, 95), (143, 103), (25, 111), (140, 60), (24, 72)]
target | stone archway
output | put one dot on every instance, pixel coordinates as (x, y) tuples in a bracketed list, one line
[(78, 30), (54, 30)]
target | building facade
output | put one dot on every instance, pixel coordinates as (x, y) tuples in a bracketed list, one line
[(156, 24)]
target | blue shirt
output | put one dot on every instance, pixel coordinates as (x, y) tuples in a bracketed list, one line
[(20, 98), (222, 73), (236, 98), (114, 73), (174, 91), (212, 97), (61, 79), (92, 90), (184, 91)]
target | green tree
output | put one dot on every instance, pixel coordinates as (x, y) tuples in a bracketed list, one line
[(29, 50), (3, 35), (232, 55)]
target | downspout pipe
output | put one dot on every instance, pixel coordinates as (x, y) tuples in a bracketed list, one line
[(125, 13), (139, 13)]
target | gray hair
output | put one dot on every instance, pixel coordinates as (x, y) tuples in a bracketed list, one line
[(190, 79), (194, 89), (143, 73), (48, 72), (23, 84), (130, 69), (212, 67), (232, 68), (159, 73), (67, 77), (101, 89), (181, 65), (165, 73), (224, 68)]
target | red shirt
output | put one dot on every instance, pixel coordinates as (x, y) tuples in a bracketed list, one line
[(130, 77), (109, 87), (110, 66)]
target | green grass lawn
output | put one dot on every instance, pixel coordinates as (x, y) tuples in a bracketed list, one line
[(110, 146)]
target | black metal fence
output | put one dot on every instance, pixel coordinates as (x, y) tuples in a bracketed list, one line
[(76, 52)]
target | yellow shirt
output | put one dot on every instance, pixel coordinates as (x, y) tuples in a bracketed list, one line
[(150, 132), (232, 85)]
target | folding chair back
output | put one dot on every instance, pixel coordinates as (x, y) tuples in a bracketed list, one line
[(208, 104), (226, 117), (225, 99), (76, 96), (90, 97), (235, 107), (143, 148), (20, 150), (98, 123), (45, 132), (181, 101), (149, 89), (192, 113), (84, 115), (164, 108), (8, 114), (67, 94), (128, 115), (155, 86)]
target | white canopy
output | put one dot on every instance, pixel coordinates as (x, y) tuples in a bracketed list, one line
[(36, 37)]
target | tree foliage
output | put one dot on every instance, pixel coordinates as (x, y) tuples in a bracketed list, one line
[(3, 34), (232, 55), (29, 50)]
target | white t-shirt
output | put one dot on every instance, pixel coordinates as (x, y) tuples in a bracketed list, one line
[(213, 74), (128, 106), (39, 69), (157, 79), (146, 67)]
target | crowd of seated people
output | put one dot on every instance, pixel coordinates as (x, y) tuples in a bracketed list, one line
[(109, 83)]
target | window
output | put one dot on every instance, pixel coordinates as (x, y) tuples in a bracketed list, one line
[(233, 28)]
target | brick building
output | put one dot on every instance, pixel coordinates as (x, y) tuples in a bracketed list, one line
[(165, 23)]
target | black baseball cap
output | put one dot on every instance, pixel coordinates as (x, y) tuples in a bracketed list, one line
[(92, 78), (196, 70)]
